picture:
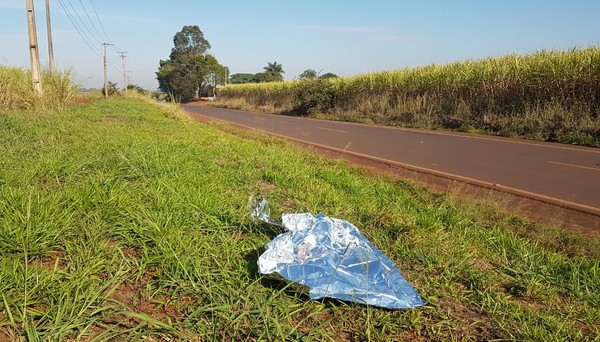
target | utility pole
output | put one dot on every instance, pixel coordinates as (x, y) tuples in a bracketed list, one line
[(123, 55), (34, 53), (105, 74), (128, 78), (49, 31)]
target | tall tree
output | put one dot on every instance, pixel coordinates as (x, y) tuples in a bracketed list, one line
[(189, 67), (190, 40)]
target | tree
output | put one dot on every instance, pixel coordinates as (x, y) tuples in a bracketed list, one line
[(274, 67), (328, 75), (189, 68), (241, 78), (190, 40), (267, 76), (272, 73), (308, 74), (177, 79), (214, 74), (137, 88), (112, 89)]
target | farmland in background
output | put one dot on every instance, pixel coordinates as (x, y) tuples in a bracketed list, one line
[(547, 95)]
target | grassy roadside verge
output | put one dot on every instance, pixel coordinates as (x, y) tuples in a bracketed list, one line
[(16, 91), (547, 95), (119, 221)]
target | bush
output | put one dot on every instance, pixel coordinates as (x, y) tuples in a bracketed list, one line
[(112, 89), (137, 88), (313, 95)]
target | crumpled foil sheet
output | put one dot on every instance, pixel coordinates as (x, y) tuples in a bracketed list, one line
[(333, 259)]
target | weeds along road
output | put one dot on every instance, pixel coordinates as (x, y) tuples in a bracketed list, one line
[(563, 174)]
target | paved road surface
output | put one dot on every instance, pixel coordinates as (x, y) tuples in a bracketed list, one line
[(562, 172)]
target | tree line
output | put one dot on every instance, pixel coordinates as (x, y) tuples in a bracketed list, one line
[(191, 71), (273, 73)]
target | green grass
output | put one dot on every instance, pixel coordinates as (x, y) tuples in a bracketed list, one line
[(119, 221), (547, 95)]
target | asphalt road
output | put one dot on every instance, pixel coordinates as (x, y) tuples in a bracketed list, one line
[(566, 173)]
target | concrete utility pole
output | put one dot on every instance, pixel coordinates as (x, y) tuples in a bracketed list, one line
[(128, 78), (105, 74), (34, 53), (123, 55), (49, 31)]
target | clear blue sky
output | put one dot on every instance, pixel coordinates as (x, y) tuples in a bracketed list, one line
[(345, 37)]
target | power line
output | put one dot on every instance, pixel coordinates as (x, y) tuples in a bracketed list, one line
[(99, 39), (86, 39), (99, 21), (74, 23), (76, 14), (83, 36), (90, 19)]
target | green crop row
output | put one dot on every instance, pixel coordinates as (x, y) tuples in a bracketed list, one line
[(547, 95)]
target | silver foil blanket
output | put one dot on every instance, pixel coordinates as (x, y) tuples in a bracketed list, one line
[(333, 259)]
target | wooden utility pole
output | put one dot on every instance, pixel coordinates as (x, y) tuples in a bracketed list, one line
[(49, 31), (34, 52), (105, 74), (123, 55)]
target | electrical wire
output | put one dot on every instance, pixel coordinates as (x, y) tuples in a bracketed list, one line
[(77, 16), (90, 20), (84, 37), (112, 47), (74, 23), (99, 21)]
